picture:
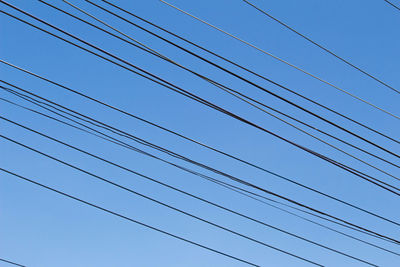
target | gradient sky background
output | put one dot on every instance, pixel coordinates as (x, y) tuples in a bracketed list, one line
[(41, 228)]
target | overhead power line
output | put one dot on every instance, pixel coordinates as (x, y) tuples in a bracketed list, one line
[(283, 61), (228, 186), (233, 188), (321, 47), (125, 134), (231, 91), (206, 201), (192, 96), (129, 218), (246, 69), (393, 5), (219, 67), (12, 263), (159, 202), (113, 140), (193, 141)]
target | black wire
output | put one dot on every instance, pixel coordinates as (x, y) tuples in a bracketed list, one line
[(323, 48), (218, 182), (143, 142), (247, 70), (200, 100), (38, 103), (125, 134), (203, 200), (213, 149), (128, 218), (393, 5), (244, 79), (13, 263), (159, 202), (159, 55)]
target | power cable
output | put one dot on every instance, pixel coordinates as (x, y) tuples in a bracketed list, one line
[(191, 140), (129, 219), (285, 62), (208, 202), (12, 263), (227, 175), (228, 90), (225, 70), (247, 70), (393, 5), (321, 47), (198, 99), (218, 182)]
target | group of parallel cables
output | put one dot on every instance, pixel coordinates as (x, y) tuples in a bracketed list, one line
[(33, 103)]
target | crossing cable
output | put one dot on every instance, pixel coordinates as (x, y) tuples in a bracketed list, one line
[(393, 5), (285, 62), (164, 129), (121, 143), (247, 70), (130, 219), (228, 186), (321, 47), (12, 263), (231, 187), (156, 53), (179, 90), (203, 200), (233, 74), (191, 140), (125, 134), (225, 88), (101, 178)]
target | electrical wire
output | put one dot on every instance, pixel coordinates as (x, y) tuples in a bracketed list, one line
[(208, 202), (227, 89), (218, 182), (125, 134), (12, 263), (285, 62), (103, 136), (321, 47), (193, 141), (233, 74), (179, 90), (393, 5), (247, 70), (129, 219), (159, 202)]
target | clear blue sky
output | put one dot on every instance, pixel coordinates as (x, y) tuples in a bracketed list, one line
[(41, 229)]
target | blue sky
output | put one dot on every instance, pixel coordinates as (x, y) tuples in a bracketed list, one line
[(40, 228)]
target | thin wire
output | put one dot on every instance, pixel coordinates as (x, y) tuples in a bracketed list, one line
[(283, 61), (13, 263), (192, 96), (248, 70), (227, 71), (196, 142), (216, 181), (211, 203), (393, 5), (224, 174), (129, 219), (321, 47), (226, 89), (160, 202), (186, 93), (210, 104)]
